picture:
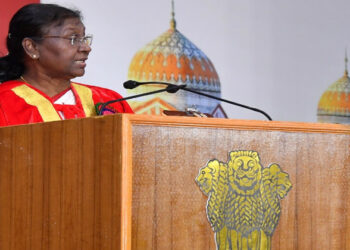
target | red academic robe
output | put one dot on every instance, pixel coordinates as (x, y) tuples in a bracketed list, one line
[(21, 103)]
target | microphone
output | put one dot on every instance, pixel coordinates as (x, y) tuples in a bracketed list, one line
[(131, 84), (171, 88)]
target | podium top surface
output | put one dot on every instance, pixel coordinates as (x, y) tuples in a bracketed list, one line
[(205, 122)]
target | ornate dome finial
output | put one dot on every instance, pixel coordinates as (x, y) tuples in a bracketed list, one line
[(172, 21), (346, 62), (334, 104), (173, 58)]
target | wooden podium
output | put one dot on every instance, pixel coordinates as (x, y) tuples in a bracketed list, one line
[(128, 182)]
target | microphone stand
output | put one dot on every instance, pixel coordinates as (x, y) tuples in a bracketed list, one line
[(233, 103), (133, 84), (171, 89)]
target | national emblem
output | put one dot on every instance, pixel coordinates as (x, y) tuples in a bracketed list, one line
[(243, 207)]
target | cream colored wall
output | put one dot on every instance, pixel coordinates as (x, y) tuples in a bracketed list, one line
[(275, 55)]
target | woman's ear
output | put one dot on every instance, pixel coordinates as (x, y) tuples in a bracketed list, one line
[(30, 48)]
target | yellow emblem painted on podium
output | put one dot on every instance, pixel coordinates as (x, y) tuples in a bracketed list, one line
[(243, 206)]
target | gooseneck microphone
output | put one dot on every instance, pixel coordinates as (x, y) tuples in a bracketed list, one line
[(133, 84), (101, 107)]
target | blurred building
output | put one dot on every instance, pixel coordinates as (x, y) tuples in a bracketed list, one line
[(172, 58), (334, 104)]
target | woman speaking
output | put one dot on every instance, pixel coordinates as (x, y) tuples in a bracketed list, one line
[(47, 48)]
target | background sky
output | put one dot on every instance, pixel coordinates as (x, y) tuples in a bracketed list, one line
[(279, 56)]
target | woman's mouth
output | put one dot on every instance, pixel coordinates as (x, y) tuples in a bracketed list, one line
[(81, 63)]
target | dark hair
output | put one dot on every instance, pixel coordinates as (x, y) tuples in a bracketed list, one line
[(29, 21)]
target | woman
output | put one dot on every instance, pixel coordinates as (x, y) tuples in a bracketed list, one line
[(47, 48)]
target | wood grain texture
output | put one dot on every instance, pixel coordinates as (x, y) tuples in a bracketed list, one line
[(127, 182), (169, 209), (60, 185)]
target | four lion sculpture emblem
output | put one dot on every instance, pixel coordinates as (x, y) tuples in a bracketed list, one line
[(243, 206)]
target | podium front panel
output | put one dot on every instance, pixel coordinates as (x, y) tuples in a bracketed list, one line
[(169, 209), (60, 185)]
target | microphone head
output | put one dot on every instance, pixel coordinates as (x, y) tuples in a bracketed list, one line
[(172, 88), (130, 84)]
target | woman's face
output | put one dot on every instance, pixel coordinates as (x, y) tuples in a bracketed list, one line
[(58, 58)]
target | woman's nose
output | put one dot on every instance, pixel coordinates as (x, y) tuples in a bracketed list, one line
[(84, 47)]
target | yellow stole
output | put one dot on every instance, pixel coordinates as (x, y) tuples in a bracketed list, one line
[(45, 107)]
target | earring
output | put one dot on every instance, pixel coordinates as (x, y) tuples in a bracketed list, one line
[(34, 56)]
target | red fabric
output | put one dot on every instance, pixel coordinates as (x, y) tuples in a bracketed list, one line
[(69, 111), (15, 111)]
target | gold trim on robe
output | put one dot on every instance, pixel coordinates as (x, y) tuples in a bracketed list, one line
[(85, 95), (32, 97)]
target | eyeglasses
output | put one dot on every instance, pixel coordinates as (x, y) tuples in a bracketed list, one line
[(75, 40)]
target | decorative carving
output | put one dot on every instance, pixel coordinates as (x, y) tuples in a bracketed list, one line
[(243, 205)]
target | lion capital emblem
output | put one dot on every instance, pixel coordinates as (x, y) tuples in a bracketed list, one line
[(243, 206)]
